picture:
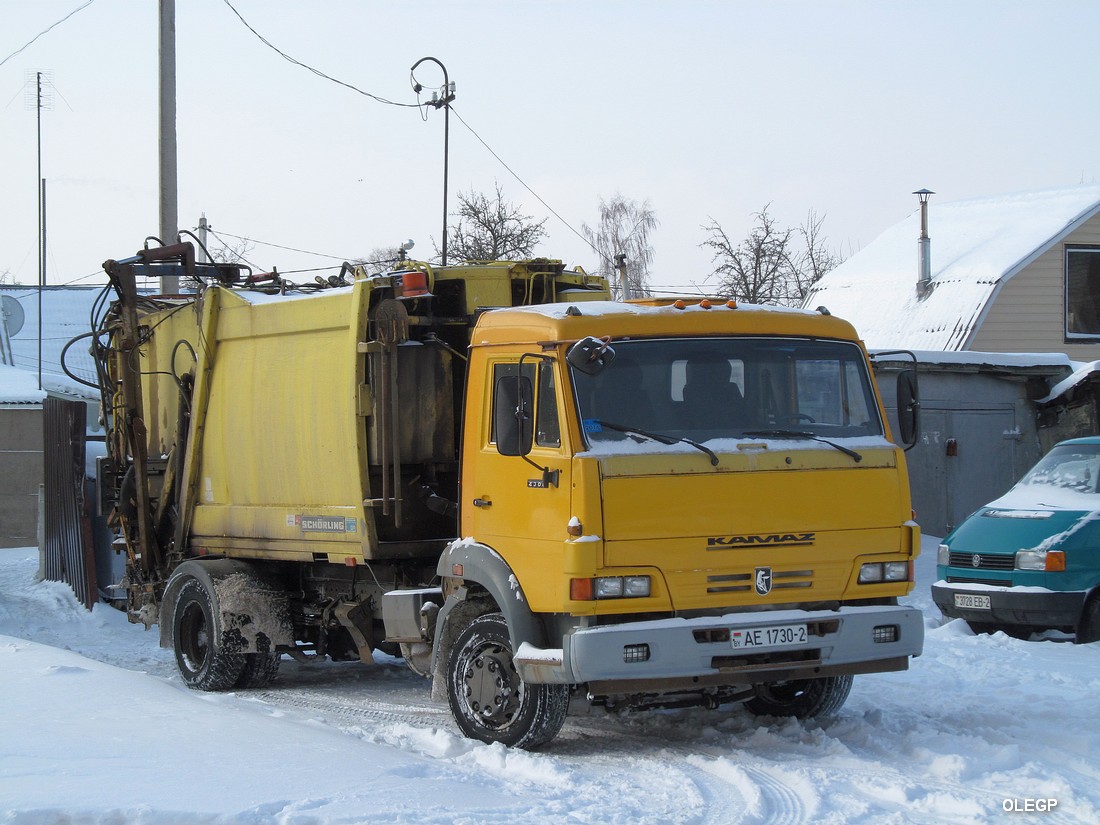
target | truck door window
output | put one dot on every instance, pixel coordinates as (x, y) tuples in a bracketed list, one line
[(547, 427)]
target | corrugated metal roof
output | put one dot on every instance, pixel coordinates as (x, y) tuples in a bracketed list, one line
[(976, 246)]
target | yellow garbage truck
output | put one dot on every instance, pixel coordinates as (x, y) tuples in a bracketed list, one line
[(533, 494)]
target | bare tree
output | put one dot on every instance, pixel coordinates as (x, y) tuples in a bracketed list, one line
[(815, 258), (624, 229), (774, 264), (383, 257), (236, 253), (491, 229), (757, 269)]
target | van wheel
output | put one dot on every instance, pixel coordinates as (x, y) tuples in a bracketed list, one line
[(488, 700), (801, 698), (1088, 629), (201, 663)]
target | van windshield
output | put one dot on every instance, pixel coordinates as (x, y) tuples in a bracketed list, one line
[(1068, 467), (710, 388)]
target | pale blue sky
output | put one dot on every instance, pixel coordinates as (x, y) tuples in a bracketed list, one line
[(706, 109)]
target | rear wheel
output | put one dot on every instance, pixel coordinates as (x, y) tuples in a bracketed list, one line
[(488, 699), (201, 662), (801, 698)]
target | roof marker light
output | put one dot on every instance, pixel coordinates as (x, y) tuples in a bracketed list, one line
[(704, 304), (679, 303), (732, 304)]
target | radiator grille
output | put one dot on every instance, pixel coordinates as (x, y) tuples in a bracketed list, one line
[(983, 561), (743, 582)]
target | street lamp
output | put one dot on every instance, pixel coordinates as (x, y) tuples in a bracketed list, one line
[(437, 102)]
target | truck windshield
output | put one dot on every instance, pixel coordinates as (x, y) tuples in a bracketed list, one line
[(703, 389)]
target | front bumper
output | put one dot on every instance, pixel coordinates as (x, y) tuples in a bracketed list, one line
[(1012, 606), (681, 653)]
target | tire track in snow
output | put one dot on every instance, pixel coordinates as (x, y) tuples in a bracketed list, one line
[(362, 708)]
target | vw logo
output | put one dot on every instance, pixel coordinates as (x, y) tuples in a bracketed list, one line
[(976, 560), (763, 580)]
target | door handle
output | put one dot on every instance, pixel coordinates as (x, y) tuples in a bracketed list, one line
[(482, 502)]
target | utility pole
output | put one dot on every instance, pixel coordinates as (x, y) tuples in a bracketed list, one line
[(444, 103), (624, 280), (169, 219), (204, 229), (41, 221)]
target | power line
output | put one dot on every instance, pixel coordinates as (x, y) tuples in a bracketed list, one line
[(45, 31), (277, 246), (307, 67), (523, 183), (480, 139)]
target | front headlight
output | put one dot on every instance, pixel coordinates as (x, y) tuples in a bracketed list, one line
[(610, 587), (874, 572), (1049, 561), (943, 555)]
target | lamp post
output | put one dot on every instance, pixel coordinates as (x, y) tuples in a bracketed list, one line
[(438, 102)]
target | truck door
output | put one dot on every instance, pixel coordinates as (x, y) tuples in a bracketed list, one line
[(517, 500)]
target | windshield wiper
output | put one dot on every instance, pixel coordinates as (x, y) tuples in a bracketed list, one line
[(803, 434), (664, 439)]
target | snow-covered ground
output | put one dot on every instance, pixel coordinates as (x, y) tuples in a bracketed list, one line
[(95, 727)]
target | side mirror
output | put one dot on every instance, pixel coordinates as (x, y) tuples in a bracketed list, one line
[(590, 355), (908, 408), (512, 418)]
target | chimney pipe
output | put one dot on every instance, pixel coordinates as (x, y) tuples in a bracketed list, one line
[(924, 246)]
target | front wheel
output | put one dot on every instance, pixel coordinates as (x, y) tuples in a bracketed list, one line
[(488, 699), (1088, 628), (801, 698), (199, 657)]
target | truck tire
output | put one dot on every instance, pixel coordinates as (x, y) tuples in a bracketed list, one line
[(801, 698), (488, 700), (202, 665), (1088, 629), (260, 669)]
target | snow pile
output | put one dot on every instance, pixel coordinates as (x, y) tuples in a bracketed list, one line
[(97, 728)]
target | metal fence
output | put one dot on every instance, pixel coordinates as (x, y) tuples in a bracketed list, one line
[(68, 550)]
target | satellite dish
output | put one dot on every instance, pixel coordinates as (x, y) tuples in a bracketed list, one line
[(13, 314)]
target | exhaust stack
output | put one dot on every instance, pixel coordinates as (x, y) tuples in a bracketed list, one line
[(924, 246)]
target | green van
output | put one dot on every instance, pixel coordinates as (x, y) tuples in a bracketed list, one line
[(1030, 560)]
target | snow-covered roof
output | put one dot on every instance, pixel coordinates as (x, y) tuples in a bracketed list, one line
[(67, 312), (19, 387), (976, 245)]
